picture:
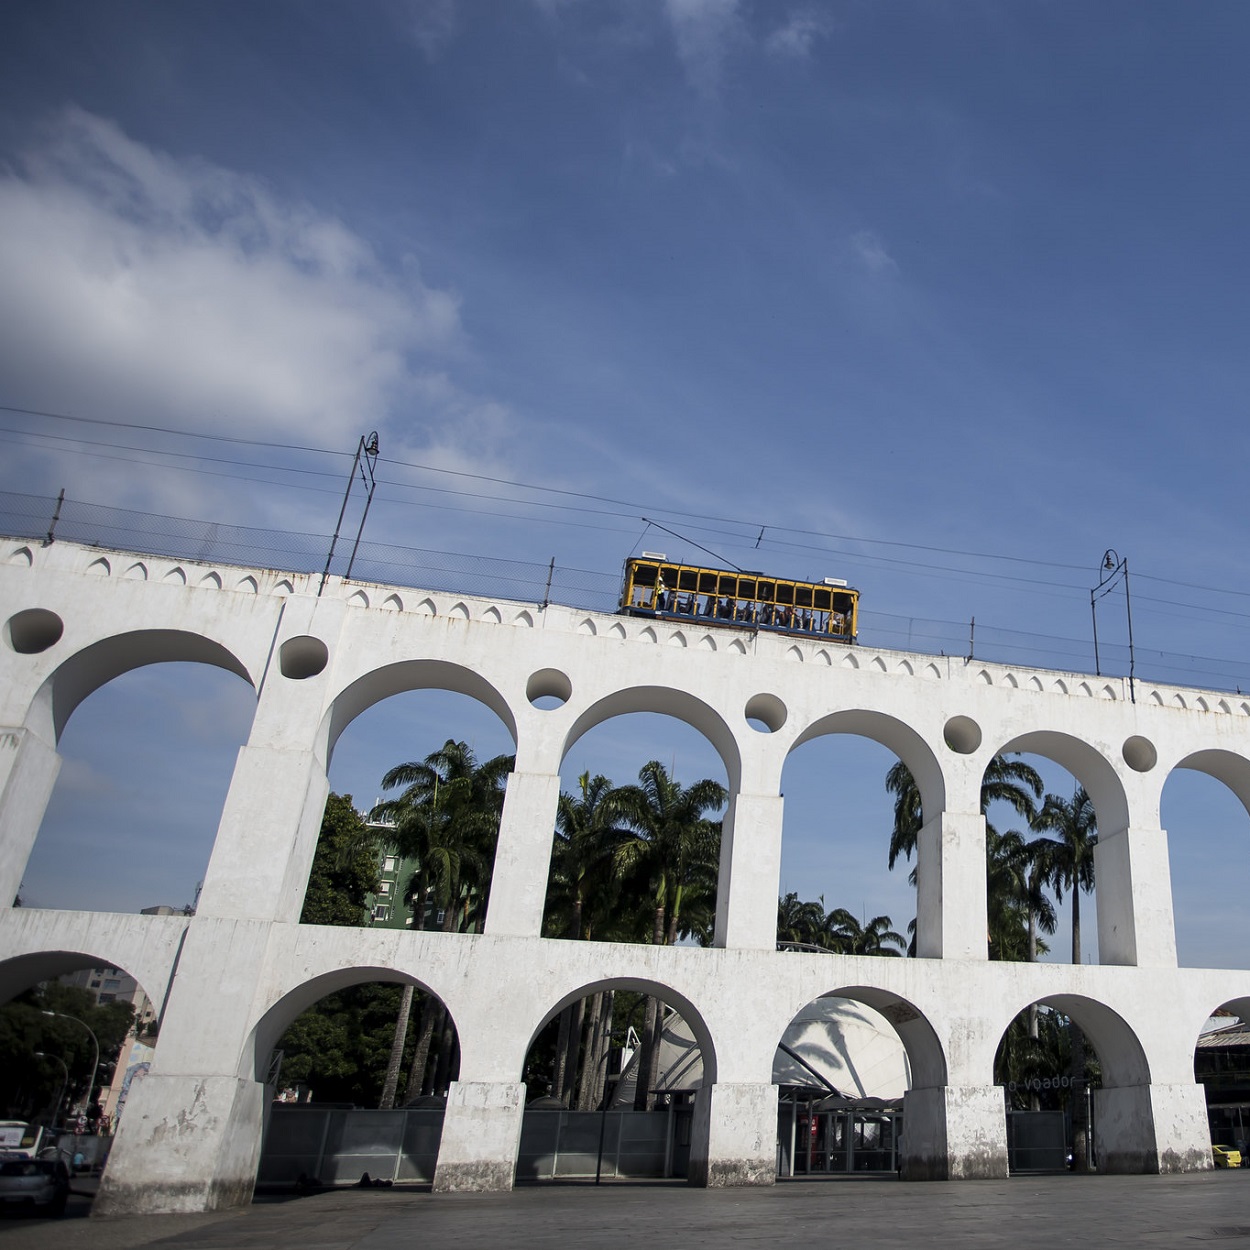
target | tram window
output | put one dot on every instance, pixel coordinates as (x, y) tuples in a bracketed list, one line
[(669, 574), (729, 587), (687, 579), (707, 583), (766, 591), (644, 574), (842, 603), (785, 594), (803, 596), (746, 590), (823, 600)]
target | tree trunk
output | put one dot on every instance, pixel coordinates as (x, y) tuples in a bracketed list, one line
[(600, 1091), (1076, 924), (416, 1073), (430, 1019), (573, 1046), (646, 1048), (397, 1051), (590, 1064), (562, 1052), (446, 1045)]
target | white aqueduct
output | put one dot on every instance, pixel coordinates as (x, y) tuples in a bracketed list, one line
[(231, 978)]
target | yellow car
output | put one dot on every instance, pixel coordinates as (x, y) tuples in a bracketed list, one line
[(1225, 1157)]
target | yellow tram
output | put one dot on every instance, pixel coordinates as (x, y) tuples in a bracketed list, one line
[(656, 586)]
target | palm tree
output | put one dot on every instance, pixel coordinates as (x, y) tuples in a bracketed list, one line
[(799, 923), (1006, 780), (672, 847), (1016, 903), (579, 889), (1069, 865), (670, 842), (875, 937), (1069, 855), (447, 820), (579, 895)]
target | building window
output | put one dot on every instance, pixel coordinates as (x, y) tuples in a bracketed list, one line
[(384, 888), (388, 864), (381, 913)]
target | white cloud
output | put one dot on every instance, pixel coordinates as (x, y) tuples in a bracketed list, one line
[(704, 31), (796, 37), (871, 252), (430, 24), (138, 286)]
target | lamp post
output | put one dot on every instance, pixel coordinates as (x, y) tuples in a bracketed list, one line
[(60, 1097), (94, 1041), (1110, 570)]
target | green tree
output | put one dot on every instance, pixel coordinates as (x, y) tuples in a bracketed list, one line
[(28, 1084), (581, 887), (1068, 859), (800, 923), (344, 869), (671, 851), (875, 937), (447, 820), (1007, 780)]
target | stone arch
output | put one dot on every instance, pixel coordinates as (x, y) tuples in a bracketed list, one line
[(640, 985), (926, 1056), (99, 663), (1087, 764), (1225, 766), (665, 701), (291, 1001), (895, 735), (1120, 1052), (405, 675), (20, 972)]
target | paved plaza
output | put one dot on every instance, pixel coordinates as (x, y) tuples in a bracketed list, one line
[(1025, 1212)]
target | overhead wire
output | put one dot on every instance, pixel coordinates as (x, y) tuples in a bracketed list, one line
[(757, 530)]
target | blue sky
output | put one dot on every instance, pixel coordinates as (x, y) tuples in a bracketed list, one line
[(949, 298)]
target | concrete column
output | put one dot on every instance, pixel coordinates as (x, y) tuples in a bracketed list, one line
[(267, 837), (1152, 1129), (28, 768), (1135, 922), (481, 1135), (734, 1136), (518, 887), (950, 895), (954, 1133), (185, 1143), (190, 1137), (750, 873)]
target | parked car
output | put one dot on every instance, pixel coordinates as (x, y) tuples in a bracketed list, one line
[(1226, 1157), (37, 1186)]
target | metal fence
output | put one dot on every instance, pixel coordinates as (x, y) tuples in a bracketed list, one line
[(45, 518), (564, 1145), (336, 1146)]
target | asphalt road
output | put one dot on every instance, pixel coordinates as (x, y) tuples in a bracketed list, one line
[(1023, 1213)]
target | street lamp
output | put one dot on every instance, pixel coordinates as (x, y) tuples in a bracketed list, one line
[(1110, 570), (94, 1041), (64, 1082)]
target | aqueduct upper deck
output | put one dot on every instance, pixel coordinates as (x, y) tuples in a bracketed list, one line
[(233, 975)]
